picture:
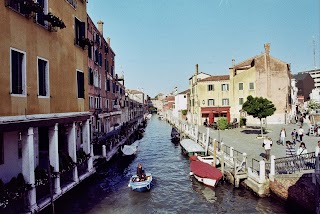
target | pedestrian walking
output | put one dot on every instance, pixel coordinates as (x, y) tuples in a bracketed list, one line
[(283, 135), (267, 144), (290, 150), (301, 120), (302, 150), (300, 133), (294, 136)]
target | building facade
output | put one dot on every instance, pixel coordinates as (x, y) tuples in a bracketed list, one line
[(194, 113), (44, 113), (261, 76)]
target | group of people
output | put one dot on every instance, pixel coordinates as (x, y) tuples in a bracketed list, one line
[(290, 146)]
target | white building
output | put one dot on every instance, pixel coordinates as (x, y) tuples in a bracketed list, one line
[(181, 103)]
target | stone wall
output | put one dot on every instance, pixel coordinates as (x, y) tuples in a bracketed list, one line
[(295, 189)]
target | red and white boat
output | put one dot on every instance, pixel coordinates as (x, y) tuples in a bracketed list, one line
[(205, 173), (206, 159)]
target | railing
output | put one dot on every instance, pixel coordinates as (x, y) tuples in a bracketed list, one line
[(268, 168), (227, 150), (290, 165), (255, 166), (237, 154)]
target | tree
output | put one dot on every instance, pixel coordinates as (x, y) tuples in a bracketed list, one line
[(313, 105), (258, 107)]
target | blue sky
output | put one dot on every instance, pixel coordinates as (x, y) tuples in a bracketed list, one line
[(158, 42)]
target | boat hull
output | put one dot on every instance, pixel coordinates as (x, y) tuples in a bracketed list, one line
[(205, 173), (205, 181), (140, 186)]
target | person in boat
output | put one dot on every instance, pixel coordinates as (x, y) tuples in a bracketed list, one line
[(140, 173)]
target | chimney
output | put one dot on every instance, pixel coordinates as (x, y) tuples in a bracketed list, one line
[(197, 69), (267, 48), (100, 26), (233, 63), (108, 41)]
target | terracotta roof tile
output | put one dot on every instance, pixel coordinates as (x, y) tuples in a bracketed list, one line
[(216, 78)]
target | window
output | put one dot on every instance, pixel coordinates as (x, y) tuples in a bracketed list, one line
[(91, 102), (251, 86), (225, 102), (96, 80), (106, 65), (108, 85), (107, 104), (210, 102), (80, 81), (1, 149), (90, 52), (80, 32), (40, 15), (100, 59), (210, 87), (18, 72), (240, 86), (96, 56), (43, 77), (90, 76), (240, 101), (224, 87)]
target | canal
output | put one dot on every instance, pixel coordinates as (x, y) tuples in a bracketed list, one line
[(173, 191)]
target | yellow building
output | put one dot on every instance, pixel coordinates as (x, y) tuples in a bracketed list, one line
[(222, 96), (43, 88), (214, 97), (261, 76), (194, 114)]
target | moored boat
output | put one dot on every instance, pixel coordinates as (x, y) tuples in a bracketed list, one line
[(190, 147), (205, 173), (175, 135), (140, 185), (206, 159)]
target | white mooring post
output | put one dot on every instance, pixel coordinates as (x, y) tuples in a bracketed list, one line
[(272, 168), (231, 153), (262, 171), (104, 151), (245, 159)]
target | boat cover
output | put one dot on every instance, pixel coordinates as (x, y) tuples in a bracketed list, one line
[(205, 170), (191, 146), (129, 150)]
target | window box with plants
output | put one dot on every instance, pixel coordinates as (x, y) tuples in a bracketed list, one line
[(55, 22), (85, 43)]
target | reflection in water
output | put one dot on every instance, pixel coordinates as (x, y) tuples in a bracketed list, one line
[(173, 190)]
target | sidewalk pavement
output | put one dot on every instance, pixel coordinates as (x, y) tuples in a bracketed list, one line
[(245, 139)]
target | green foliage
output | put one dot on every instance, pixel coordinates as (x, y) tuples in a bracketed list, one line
[(223, 123), (313, 105), (258, 107), (184, 111), (243, 121)]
